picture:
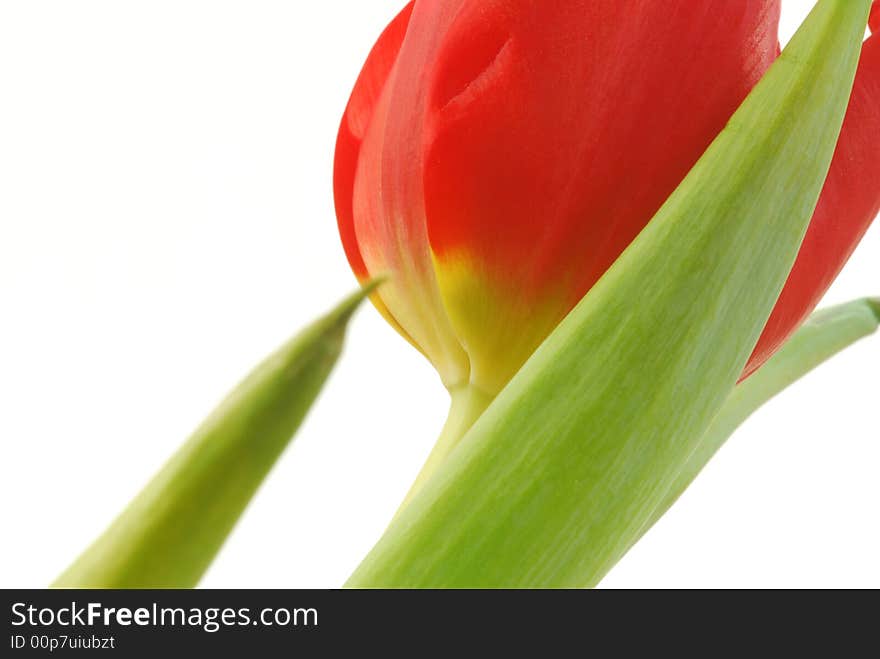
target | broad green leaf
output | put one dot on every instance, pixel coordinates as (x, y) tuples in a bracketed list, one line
[(170, 533), (556, 479), (822, 336)]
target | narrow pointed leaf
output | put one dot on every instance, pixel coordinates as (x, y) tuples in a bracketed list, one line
[(557, 478), (822, 336), (170, 533)]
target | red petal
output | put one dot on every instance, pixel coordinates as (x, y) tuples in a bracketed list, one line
[(565, 127), (387, 213), (357, 118), (557, 129), (355, 121), (849, 202), (874, 21)]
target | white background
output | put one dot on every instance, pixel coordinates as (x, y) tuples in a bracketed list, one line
[(166, 219)]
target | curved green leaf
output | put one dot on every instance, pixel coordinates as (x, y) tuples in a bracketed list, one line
[(822, 336), (170, 533)]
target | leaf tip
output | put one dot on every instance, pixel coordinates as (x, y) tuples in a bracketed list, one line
[(344, 311), (874, 305)]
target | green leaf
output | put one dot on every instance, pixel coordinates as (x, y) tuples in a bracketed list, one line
[(822, 336), (170, 533), (556, 479)]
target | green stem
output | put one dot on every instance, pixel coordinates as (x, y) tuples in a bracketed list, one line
[(466, 405)]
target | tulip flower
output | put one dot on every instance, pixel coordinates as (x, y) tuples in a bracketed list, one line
[(601, 221), (609, 418), (497, 156)]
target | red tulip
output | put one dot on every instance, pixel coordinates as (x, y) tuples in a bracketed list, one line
[(497, 156)]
